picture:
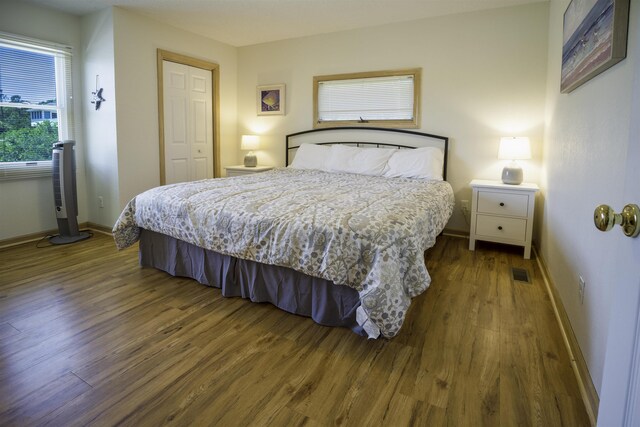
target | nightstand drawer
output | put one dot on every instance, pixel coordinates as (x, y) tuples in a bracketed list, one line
[(504, 228), (503, 203)]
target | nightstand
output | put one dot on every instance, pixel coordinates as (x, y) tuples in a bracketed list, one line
[(502, 213), (240, 170)]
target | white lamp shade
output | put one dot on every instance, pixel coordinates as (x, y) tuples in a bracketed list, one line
[(250, 142), (514, 148)]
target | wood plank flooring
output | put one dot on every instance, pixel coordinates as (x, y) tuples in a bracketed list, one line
[(87, 337)]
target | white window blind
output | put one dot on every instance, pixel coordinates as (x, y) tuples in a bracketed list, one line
[(35, 104), (367, 99)]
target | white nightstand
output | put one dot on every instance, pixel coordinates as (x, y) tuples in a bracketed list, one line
[(502, 213), (240, 170)]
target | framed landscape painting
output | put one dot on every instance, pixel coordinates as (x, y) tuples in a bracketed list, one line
[(594, 39), (271, 100)]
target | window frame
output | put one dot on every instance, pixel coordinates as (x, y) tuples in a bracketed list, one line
[(393, 124), (64, 109)]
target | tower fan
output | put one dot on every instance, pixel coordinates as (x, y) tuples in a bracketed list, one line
[(64, 194)]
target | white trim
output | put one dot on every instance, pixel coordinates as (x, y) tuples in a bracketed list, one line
[(585, 384), (34, 45)]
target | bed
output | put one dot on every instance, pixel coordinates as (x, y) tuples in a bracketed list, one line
[(339, 235)]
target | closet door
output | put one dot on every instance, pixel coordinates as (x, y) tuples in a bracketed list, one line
[(188, 123)]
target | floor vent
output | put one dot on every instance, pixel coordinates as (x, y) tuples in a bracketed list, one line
[(520, 275)]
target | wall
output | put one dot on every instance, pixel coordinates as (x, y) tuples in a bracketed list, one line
[(100, 125), (26, 206), (585, 148), (136, 40), (121, 144), (483, 77)]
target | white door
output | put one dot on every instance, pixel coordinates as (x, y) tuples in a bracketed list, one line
[(188, 123), (620, 394)]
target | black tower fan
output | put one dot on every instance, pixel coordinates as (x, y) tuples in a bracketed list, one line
[(64, 194)]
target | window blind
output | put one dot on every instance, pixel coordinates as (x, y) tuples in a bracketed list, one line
[(374, 98), (35, 77), (27, 78)]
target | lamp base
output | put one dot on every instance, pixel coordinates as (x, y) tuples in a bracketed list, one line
[(250, 160), (512, 174)]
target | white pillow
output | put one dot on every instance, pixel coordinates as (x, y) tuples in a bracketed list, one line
[(426, 163), (365, 161), (311, 156)]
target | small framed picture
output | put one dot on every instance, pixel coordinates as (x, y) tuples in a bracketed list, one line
[(271, 100)]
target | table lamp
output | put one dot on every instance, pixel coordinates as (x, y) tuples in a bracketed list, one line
[(250, 143), (513, 148)]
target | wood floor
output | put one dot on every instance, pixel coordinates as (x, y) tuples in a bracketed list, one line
[(87, 337)]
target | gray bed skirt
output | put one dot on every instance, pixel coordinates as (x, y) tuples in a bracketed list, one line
[(325, 302)]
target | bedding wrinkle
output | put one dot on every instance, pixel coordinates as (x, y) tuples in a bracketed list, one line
[(365, 232)]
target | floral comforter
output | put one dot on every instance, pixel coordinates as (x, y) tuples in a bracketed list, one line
[(367, 232)]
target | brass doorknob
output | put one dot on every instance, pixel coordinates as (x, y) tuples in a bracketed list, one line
[(605, 218)]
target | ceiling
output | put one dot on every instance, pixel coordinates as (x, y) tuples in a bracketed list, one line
[(248, 22)]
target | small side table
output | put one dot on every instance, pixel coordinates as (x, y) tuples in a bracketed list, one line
[(240, 170), (502, 213)]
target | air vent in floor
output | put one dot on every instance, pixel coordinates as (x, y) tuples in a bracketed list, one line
[(520, 275)]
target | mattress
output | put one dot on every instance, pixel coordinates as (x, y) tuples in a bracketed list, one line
[(365, 232)]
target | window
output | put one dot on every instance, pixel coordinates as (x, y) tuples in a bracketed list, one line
[(35, 104), (380, 98)]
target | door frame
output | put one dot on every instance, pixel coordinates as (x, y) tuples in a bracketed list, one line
[(165, 55)]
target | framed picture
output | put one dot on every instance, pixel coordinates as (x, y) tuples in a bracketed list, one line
[(271, 100), (594, 39)]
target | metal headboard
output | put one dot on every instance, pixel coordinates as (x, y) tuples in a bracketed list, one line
[(440, 141)]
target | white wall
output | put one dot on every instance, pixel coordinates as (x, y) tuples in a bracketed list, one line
[(136, 40), (483, 77), (101, 124), (121, 147), (474, 111), (26, 206), (585, 148)]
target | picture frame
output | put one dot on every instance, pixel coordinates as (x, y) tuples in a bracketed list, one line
[(271, 100), (594, 39)]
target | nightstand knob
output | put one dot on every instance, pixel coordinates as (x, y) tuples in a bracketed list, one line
[(501, 203), (499, 227)]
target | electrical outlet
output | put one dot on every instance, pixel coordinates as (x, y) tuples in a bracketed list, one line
[(101, 201), (464, 207), (581, 289)]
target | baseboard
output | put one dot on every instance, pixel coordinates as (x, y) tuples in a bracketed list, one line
[(579, 365), (26, 238), (455, 233), (44, 234), (99, 228)]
